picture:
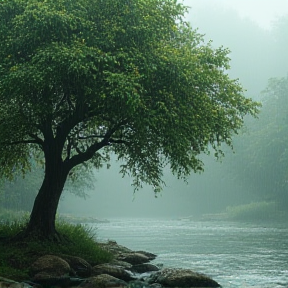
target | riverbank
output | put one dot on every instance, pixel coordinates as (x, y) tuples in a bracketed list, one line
[(127, 268), (37, 264)]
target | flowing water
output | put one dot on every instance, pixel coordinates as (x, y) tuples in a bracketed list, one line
[(233, 254)]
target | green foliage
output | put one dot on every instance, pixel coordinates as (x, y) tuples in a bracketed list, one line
[(271, 151), (255, 211), (16, 257), (129, 77), (261, 159)]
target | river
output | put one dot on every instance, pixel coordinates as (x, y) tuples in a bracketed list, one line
[(233, 254)]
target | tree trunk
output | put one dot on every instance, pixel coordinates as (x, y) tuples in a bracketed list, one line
[(42, 218)]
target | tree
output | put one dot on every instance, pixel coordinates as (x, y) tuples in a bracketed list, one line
[(273, 139), (80, 80), (262, 158)]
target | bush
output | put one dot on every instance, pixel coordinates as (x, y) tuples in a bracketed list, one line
[(82, 241)]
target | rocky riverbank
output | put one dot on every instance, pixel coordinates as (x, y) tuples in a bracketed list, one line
[(127, 269)]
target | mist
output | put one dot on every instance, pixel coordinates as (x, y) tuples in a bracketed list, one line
[(229, 221), (255, 57), (255, 36)]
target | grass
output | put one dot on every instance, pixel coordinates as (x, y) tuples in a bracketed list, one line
[(16, 257)]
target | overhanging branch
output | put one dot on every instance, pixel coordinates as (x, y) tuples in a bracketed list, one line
[(118, 141), (84, 156), (92, 149), (37, 139)]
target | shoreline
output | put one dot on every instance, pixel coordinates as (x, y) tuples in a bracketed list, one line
[(128, 268)]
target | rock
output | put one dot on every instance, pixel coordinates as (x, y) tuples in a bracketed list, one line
[(47, 280), (133, 258), (145, 267), (171, 277), (7, 283), (113, 247), (122, 253), (80, 266), (113, 270), (151, 256), (122, 264), (50, 265), (142, 284), (103, 281)]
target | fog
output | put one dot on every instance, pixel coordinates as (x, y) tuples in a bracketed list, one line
[(249, 30), (113, 196), (255, 32)]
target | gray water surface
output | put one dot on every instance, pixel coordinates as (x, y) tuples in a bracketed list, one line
[(233, 254)]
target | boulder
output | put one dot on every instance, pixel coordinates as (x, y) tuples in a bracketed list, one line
[(80, 266), (142, 284), (122, 264), (104, 281), (7, 283), (51, 265), (122, 253), (114, 248), (173, 277), (133, 258), (113, 270), (151, 256), (45, 279), (145, 267)]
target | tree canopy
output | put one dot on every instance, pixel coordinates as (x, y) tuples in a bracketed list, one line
[(82, 79)]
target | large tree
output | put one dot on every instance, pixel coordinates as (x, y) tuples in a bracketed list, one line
[(82, 79)]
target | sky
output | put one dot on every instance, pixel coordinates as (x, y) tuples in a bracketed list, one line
[(263, 12)]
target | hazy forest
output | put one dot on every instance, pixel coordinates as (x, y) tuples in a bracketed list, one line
[(252, 177), (142, 130)]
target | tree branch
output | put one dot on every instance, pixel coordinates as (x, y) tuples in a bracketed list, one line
[(37, 139), (86, 155), (92, 149), (118, 141)]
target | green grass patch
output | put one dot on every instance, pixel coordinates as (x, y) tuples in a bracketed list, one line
[(16, 257)]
